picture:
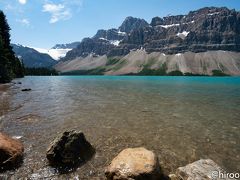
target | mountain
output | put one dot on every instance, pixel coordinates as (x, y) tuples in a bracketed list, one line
[(106, 40), (39, 57), (130, 24), (32, 58), (59, 50), (202, 42), (66, 46)]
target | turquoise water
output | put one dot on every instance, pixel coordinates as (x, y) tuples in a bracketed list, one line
[(182, 119)]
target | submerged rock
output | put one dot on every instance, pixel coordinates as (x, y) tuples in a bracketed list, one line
[(71, 148), (26, 89), (204, 169), (11, 152), (134, 163)]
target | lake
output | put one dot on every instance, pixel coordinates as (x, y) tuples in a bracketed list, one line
[(182, 119)]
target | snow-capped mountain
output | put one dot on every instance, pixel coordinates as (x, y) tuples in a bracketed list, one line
[(202, 42), (56, 54), (58, 51), (33, 58)]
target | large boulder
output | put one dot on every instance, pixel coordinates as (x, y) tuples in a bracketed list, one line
[(70, 148), (134, 163), (204, 169), (11, 152)]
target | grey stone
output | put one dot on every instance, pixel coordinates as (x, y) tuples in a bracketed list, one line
[(70, 148), (204, 169)]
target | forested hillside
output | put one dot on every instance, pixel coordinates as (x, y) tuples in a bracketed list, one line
[(10, 66)]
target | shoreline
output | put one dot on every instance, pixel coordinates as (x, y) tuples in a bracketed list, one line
[(4, 87)]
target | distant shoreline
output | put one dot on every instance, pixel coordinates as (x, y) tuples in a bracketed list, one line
[(144, 72)]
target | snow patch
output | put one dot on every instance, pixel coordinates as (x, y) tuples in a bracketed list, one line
[(170, 25), (121, 33), (54, 53), (178, 54), (58, 53), (212, 14), (115, 42), (103, 39), (183, 34), (191, 22)]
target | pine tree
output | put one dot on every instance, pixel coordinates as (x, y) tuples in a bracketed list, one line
[(5, 73), (10, 66)]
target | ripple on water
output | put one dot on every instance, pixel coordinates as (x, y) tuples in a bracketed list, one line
[(181, 119)]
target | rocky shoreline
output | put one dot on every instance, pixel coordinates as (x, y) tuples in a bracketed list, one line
[(72, 150)]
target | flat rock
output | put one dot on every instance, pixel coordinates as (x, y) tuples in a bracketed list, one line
[(70, 148), (204, 169), (11, 152), (134, 163)]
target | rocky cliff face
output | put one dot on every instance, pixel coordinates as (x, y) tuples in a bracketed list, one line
[(108, 41), (207, 29), (90, 46), (130, 24), (199, 31)]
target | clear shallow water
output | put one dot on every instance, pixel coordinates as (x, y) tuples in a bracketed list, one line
[(182, 119)]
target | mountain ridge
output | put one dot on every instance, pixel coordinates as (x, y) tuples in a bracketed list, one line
[(66, 46), (38, 57), (204, 35), (208, 28), (32, 58)]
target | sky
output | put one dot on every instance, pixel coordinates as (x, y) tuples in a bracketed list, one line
[(44, 23)]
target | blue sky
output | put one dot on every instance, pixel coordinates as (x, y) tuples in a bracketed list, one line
[(44, 23)]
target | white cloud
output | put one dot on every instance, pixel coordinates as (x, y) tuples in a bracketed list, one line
[(22, 1), (52, 8), (58, 12), (24, 22)]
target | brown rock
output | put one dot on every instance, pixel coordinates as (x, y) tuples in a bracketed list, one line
[(11, 152), (134, 163)]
